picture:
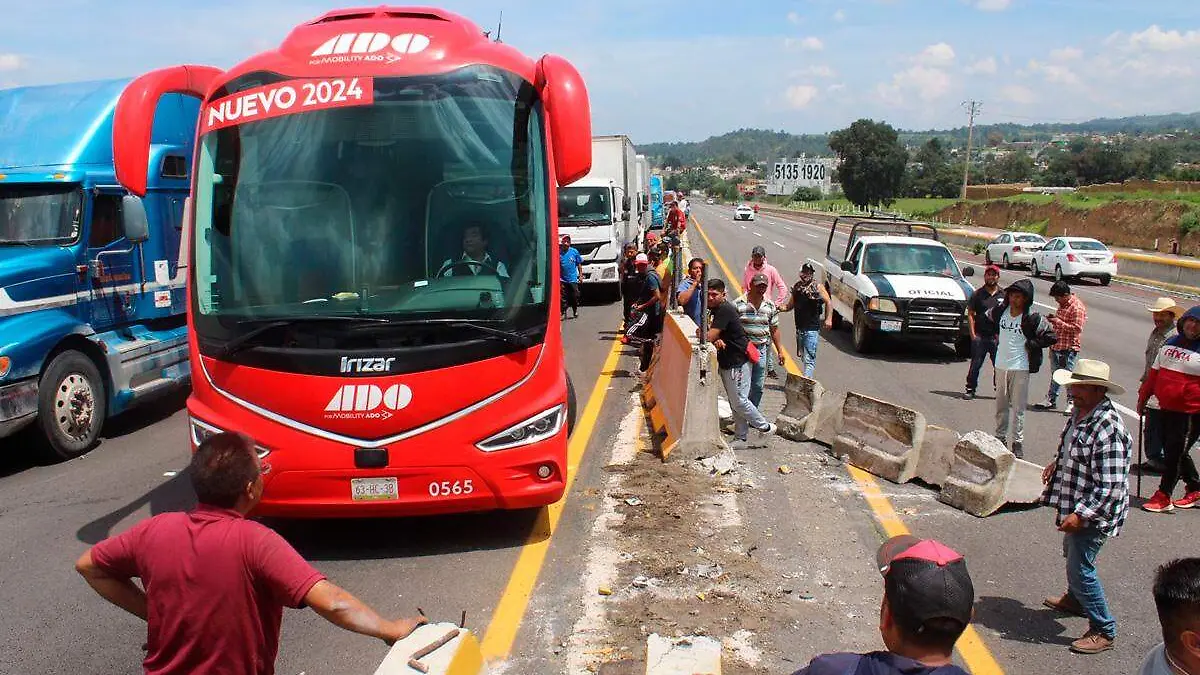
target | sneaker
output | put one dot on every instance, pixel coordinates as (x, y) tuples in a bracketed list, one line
[(1069, 409), (770, 430), (738, 444), (968, 394), (773, 374), (1159, 503), (624, 339), (1092, 642), (1018, 450), (1045, 405), (1189, 500), (1066, 603)]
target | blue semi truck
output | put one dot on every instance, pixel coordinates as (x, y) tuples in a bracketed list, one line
[(92, 297), (658, 219)]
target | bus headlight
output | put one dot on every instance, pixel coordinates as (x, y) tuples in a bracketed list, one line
[(5, 366), (537, 428), (202, 431)]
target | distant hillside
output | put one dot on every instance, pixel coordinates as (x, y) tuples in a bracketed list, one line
[(747, 145)]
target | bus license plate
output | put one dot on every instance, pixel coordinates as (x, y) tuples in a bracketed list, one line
[(890, 326), (373, 489)]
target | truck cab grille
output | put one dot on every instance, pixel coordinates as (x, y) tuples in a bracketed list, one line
[(934, 314)]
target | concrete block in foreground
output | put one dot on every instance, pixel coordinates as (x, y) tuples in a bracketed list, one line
[(689, 655), (979, 479), (880, 437), (937, 454), (682, 407), (459, 656), (805, 399)]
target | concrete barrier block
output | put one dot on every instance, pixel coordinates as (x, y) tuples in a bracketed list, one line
[(701, 434), (805, 399), (978, 480), (1024, 484), (880, 437), (827, 422), (460, 656), (689, 655), (937, 454)]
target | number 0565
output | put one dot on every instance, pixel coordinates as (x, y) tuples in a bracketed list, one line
[(451, 488)]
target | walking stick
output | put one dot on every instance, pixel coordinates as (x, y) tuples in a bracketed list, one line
[(1141, 467)]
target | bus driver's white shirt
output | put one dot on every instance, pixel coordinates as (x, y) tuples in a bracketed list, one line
[(475, 270)]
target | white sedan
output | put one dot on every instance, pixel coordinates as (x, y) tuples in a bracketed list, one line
[(1013, 248), (1075, 258), (743, 212)]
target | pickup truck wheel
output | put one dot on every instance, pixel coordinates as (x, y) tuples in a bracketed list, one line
[(863, 335), (836, 319), (962, 346), (71, 405), (570, 407)]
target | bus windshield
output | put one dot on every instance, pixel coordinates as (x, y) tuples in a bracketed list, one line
[(428, 204)]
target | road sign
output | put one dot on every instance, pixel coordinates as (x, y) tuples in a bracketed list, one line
[(786, 175)]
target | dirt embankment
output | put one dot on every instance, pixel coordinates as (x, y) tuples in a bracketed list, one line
[(1131, 224)]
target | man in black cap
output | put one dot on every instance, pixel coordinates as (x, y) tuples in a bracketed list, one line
[(928, 602)]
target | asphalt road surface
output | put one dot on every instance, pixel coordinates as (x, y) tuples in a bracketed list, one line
[(54, 623), (1015, 556)]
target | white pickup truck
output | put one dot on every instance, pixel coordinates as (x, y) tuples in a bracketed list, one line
[(895, 277)]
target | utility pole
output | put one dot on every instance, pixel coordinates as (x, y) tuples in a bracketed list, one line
[(972, 108)]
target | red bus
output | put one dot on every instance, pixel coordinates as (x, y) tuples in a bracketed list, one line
[(373, 279)]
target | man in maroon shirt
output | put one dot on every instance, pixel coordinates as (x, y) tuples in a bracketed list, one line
[(215, 584)]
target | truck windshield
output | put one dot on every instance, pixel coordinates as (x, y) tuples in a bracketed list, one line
[(427, 204), (36, 215), (909, 259), (584, 205)]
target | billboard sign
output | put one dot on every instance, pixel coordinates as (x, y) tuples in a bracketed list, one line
[(787, 175)]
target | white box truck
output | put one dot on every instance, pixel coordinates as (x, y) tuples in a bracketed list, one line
[(599, 211), (643, 192)]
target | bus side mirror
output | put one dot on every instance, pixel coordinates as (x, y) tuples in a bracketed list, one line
[(625, 203), (645, 202), (847, 266), (134, 224), (569, 117)]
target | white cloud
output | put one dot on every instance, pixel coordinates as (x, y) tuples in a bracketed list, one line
[(1054, 73), (794, 18), (799, 96), (940, 54), (992, 5), (927, 83), (1159, 40), (837, 86), (10, 62), (1066, 54), (839, 16), (983, 67), (812, 44), (1015, 93)]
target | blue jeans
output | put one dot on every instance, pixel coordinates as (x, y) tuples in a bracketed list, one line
[(806, 350), (737, 390), (981, 348), (1064, 359), (758, 374), (1080, 549)]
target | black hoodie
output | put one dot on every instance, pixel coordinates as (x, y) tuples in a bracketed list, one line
[(1039, 334)]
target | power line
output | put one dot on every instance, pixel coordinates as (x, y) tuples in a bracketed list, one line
[(972, 108)]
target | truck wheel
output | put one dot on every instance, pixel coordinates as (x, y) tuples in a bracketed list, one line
[(962, 346), (570, 407), (863, 336), (71, 405), (836, 319)]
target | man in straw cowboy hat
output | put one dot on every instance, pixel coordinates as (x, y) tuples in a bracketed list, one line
[(1165, 312), (1087, 484), (1174, 379)]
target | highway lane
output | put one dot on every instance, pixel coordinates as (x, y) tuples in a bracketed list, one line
[(1015, 556), (48, 515)]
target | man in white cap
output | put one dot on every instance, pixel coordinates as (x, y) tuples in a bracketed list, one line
[(1087, 485), (1165, 313)]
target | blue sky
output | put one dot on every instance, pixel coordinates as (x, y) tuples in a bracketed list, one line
[(680, 70)]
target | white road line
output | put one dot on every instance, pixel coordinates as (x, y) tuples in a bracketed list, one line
[(1128, 411), (758, 234), (810, 234), (743, 227), (778, 244), (788, 228)]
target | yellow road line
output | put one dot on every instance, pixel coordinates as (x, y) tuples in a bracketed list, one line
[(514, 601), (970, 645)]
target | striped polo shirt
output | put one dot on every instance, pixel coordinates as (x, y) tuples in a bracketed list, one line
[(758, 322)]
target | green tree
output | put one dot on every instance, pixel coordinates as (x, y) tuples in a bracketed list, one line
[(872, 162), (1014, 167), (806, 194)]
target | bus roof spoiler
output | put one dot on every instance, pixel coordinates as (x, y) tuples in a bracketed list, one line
[(133, 120)]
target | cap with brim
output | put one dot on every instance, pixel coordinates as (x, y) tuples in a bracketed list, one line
[(1088, 371), (924, 580), (992, 268), (808, 267), (1166, 305), (758, 250), (641, 259), (759, 279)]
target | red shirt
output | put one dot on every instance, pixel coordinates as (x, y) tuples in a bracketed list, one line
[(216, 585)]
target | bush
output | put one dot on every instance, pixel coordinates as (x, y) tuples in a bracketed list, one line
[(807, 194), (978, 247), (1189, 223)]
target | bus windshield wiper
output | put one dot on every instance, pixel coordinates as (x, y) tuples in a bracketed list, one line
[(240, 342), (512, 337)]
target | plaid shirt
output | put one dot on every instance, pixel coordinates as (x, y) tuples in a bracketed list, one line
[(1068, 325), (1092, 470)]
